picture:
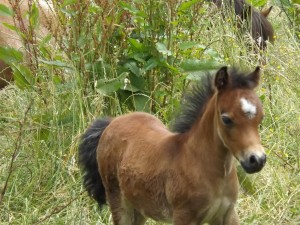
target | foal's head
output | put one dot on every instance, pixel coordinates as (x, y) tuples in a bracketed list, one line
[(238, 115)]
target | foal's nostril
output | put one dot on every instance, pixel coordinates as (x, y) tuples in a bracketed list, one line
[(253, 160), (254, 163)]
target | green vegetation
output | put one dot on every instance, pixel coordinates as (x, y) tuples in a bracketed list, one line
[(82, 71)]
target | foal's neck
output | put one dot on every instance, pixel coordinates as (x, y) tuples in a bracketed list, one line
[(206, 143)]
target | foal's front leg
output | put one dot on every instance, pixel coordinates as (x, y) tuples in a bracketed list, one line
[(231, 217)]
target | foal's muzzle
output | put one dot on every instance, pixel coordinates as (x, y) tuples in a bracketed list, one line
[(254, 163)]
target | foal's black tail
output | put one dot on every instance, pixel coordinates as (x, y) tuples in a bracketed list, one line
[(88, 160)]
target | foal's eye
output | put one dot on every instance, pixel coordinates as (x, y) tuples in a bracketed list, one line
[(226, 120)]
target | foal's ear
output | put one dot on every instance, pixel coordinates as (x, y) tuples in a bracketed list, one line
[(266, 12), (254, 77), (222, 78)]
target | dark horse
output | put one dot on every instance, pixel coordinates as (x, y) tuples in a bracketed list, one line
[(184, 177), (257, 23)]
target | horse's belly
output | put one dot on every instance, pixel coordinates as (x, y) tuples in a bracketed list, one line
[(146, 194), (148, 208)]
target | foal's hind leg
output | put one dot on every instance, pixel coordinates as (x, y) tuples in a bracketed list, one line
[(122, 212)]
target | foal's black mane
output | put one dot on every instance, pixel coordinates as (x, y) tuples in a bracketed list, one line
[(194, 100)]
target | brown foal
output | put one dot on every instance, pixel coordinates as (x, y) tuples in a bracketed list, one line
[(184, 177)]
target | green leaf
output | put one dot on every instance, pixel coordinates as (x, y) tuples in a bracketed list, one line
[(6, 11), (43, 134), (258, 3), (141, 102), (262, 97), (68, 2), (161, 47), (11, 27), (109, 86), (133, 10), (10, 55), (57, 79), (187, 5), (137, 81), (128, 7), (187, 44), (135, 43), (23, 76), (132, 67), (150, 64), (54, 63), (213, 54), (45, 40), (34, 16)]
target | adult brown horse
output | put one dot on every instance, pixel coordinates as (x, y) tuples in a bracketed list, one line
[(186, 176), (9, 37), (257, 23)]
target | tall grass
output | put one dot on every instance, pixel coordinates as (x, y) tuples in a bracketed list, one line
[(81, 76)]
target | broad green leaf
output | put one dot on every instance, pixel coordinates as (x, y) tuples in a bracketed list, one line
[(187, 5), (131, 88), (161, 47), (139, 57), (10, 55), (213, 54), (132, 67), (57, 79), (129, 7), (150, 64), (105, 86), (167, 65), (108, 86), (257, 3), (133, 10), (141, 102), (137, 81), (6, 11), (135, 43), (187, 44)]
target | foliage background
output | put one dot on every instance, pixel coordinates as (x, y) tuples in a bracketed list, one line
[(113, 57)]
